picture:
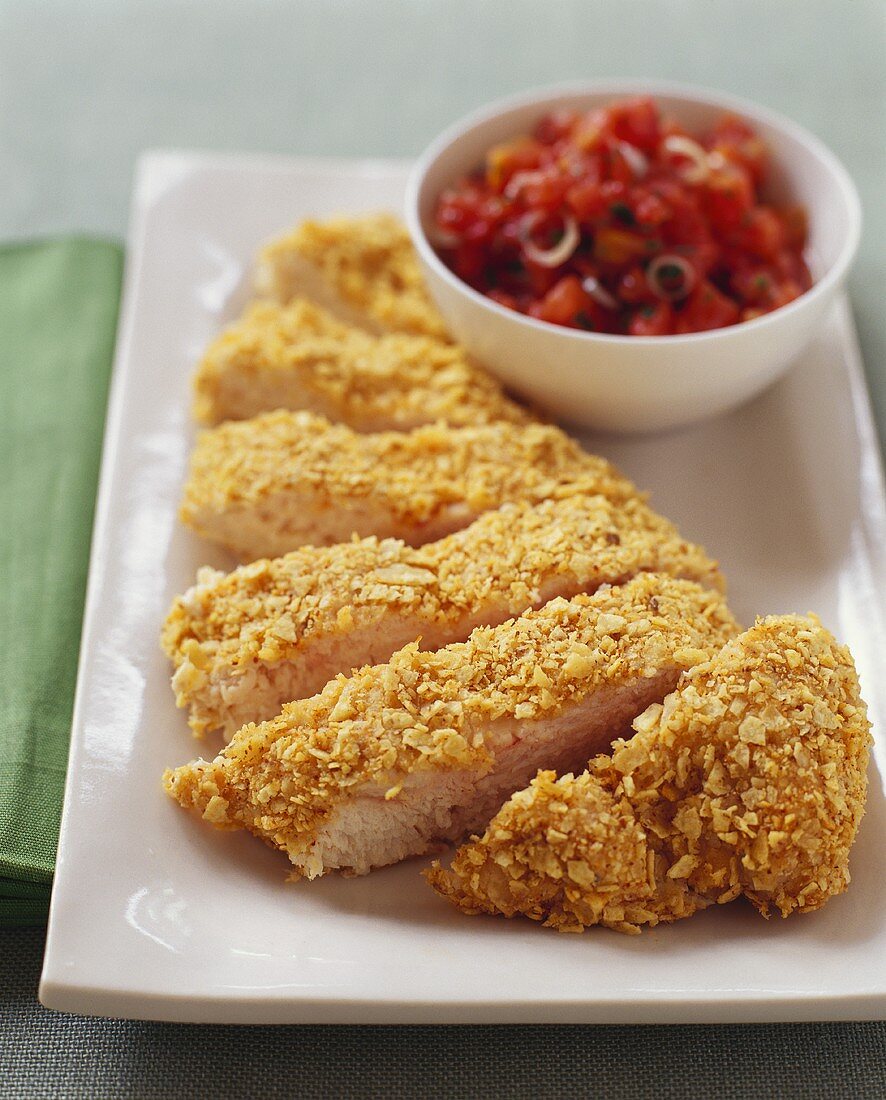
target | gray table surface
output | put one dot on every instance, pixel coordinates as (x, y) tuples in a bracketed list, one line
[(84, 87)]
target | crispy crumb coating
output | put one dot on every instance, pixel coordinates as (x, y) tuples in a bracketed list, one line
[(750, 779), (568, 852), (444, 710), (299, 356), (264, 486), (230, 629), (366, 262)]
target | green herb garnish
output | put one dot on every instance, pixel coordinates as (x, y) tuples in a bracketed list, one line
[(623, 213), (671, 274)]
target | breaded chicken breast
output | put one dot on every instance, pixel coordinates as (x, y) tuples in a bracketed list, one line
[(361, 268), (749, 779), (385, 763), (298, 356), (246, 642), (265, 486)]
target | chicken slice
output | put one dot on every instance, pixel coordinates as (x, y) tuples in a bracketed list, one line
[(750, 779), (363, 269), (265, 486), (246, 642), (300, 357), (385, 763)]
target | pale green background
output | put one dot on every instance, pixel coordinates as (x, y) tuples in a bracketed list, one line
[(84, 87)]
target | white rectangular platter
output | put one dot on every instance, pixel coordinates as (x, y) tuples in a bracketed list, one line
[(156, 916)]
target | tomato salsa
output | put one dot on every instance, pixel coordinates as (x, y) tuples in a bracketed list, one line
[(620, 221)]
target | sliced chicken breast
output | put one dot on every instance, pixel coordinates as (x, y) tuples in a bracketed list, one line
[(265, 486), (299, 356), (386, 763), (246, 642), (750, 779), (363, 269)]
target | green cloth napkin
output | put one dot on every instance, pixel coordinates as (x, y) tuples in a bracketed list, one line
[(58, 315)]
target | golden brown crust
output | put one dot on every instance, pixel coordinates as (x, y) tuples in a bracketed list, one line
[(567, 852), (506, 561), (300, 356), (767, 746), (367, 260), (435, 710), (290, 465), (749, 779)]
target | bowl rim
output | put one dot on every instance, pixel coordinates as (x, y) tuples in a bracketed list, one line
[(541, 95)]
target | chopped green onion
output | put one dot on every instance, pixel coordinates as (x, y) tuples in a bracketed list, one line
[(670, 277), (623, 213)]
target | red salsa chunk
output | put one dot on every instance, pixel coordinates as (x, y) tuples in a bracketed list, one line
[(620, 221)]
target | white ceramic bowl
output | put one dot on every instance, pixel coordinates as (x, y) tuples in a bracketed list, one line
[(629, 383)]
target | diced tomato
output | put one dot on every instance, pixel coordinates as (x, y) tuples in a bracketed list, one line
[(479, 230), (754, 285), (504, 160), (749, 155), (735, 141), (780, 294), (766, 288), (613, 191), (649, 209), (469, 261), (615, 246), (670, 127), (616, 165), (731, 128), (761, 233), (706, 308), (578, 166), (636, 121), (688, 233), (791, 265), (456, 211), (727, 196), (796, 226), (542, 189), (632, 286), (786, 292), (591, 130), (586, 200), (566, 303), (657, 320), (556, 126), (583, 170), (541, 279), (563, 302), (503, 298), (595, 318), (667, 187)]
